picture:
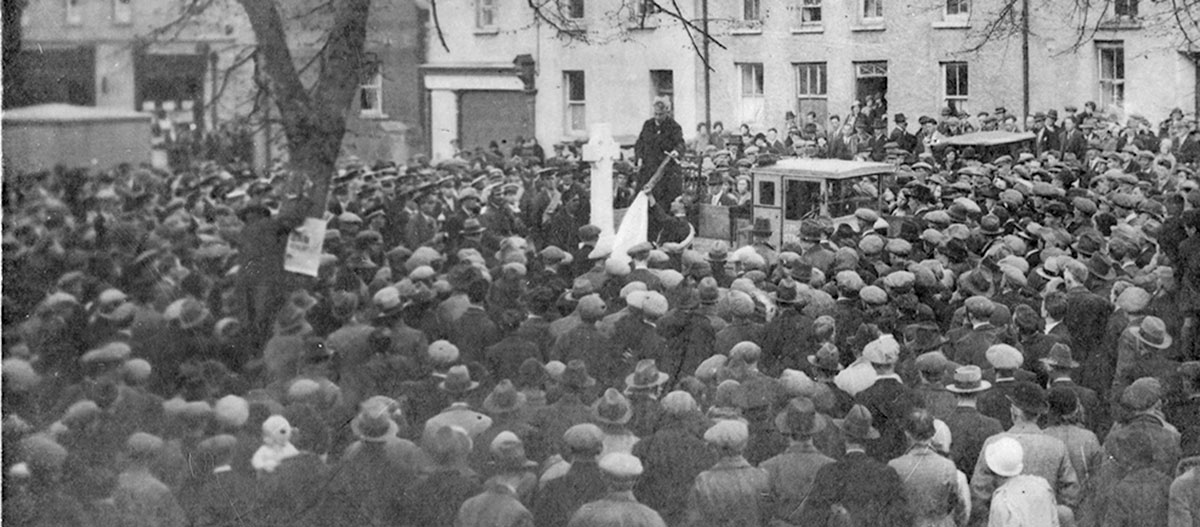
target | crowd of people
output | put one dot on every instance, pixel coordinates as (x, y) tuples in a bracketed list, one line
[(1016, 347)]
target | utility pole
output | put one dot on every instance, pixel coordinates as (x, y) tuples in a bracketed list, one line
[(707, 71), (1024, 60)]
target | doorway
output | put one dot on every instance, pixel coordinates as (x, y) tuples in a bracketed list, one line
[(871, 87)]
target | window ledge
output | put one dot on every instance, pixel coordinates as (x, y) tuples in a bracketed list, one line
[(952, 24), (806, 29), (868, 26), (746, 31), (374, 116), (634, 25), (487, 31), (1122, 23)]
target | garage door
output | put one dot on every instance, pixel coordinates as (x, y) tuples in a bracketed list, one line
[(500, 116)]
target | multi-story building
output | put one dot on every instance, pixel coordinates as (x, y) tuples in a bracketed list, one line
[(197, 68), (133, 54), (776, 56)]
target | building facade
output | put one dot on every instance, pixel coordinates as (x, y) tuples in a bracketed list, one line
[(197, 69), (128, 54), (776, 56)]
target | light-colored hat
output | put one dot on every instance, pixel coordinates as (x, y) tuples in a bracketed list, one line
[(620, 465), (882, 351), (728, 433), (1004, 357), (1005, 456)]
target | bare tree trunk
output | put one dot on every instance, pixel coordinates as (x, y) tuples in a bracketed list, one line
[(314, 119)]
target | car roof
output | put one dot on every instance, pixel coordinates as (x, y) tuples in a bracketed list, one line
[(991, 138), (825, 168)]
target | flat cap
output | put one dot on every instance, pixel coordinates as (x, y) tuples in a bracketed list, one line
[(584, 436), (873, 295), (728, 433), (882, 351), (1004, 357), (1142, 394)]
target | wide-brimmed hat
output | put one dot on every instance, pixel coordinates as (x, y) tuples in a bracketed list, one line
[(1060, 355), (472, 226), (827, 358), (458, 380), (761, 226), (968, 379), (787, 293), (800, 417), (1153, 332), (857, 423), (576, 375), (646, 375), (976, 283), (612, 408), (504, 399), (374, 424)]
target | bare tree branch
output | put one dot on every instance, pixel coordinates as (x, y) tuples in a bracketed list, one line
[(678, 15), (695, 47), (437, 25)]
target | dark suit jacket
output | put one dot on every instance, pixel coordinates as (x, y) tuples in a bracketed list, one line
[(868, 489), (1086, 320), (889, 401), (653, 143), (969, 429), (561, 497), (994, 403)]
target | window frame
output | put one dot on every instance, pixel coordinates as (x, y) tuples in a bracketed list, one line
[(375, 85), (752, 10), (657, 92), (569, 103), (483, 7), (576, 10), (962, 14), (808, 74), (962, 83), (1114, 82), (122, 13), (74, 12), (811, 6), (760, 79), (866, 16), (1130, 9)]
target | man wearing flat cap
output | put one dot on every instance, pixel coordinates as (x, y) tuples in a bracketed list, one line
[(618, 507), (888, 399), (732, 492), (1142, 400)]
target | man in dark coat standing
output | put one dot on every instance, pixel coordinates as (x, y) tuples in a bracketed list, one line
[(858, 490), (1086, 318), (261, 245), (582, 483), (673, 456), (968, 427), (787, 338), (888, 400), (660, 136)]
